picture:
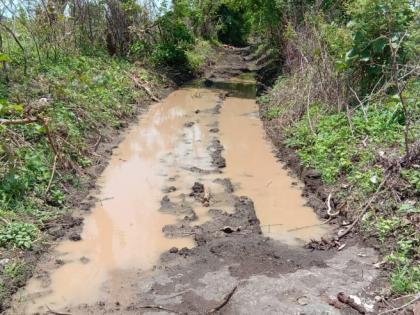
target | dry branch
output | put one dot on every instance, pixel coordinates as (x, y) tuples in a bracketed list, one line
[(55, 312), (52, 175), (225, 301), (158, 307), (343, 298), (24, 121), (417, 298), (365, 208), (95, 147), (143, 86), (331, 215), (4, 221)]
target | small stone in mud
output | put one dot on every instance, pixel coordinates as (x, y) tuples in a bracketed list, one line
[(227, 229), (191, 217), (165, 199), (4, 262), (56, 232), (189, 124), (197, 111), (184, 252), (294, 183), (198, 188), (312, 174), (214, 130), (75, 237), (84, 260), (174, 250), (169, 189), (59, 262)]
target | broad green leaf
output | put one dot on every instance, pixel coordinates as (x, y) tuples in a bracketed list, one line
[(379, 45)]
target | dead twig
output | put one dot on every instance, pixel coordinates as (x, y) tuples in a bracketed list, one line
[(225, 301), (362, 105), (308, 110), (52, 175), (142, 85), (44, 122), (158, 307), (365, 208), (24, 121), (4, 221), (331, 215), (95, 147), (402, 306), (55, 312), (343, 298)]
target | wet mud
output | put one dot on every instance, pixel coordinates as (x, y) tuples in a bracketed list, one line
[(194, 207)]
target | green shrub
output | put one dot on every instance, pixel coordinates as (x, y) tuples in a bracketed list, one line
[(20, 235), (199, 55), (335, 148), (168, 54), (15, 271), (375, 25), (405, 280), (175, 39)]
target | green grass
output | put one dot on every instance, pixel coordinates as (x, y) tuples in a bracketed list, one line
[(348, 157), (85, 94), (200, 55), (405, 280)]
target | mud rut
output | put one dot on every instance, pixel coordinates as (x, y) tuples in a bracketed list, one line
[(201, 247)]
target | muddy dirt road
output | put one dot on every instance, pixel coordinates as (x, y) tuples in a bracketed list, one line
[(195, 215)]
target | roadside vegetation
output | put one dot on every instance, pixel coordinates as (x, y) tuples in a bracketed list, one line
[(72, 73), (347, 101), (339, 80)]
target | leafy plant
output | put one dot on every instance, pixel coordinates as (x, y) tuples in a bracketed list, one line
[(375, 25), (273, 113), (405, 280), (386, 226), (20, 235), (15, 269)]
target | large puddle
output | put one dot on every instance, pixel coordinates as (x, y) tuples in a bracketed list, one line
[(124, 230)]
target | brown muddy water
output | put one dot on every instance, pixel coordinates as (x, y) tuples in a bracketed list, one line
[(124, 229)]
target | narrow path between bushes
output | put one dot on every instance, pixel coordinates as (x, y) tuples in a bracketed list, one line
[(195, 215)]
